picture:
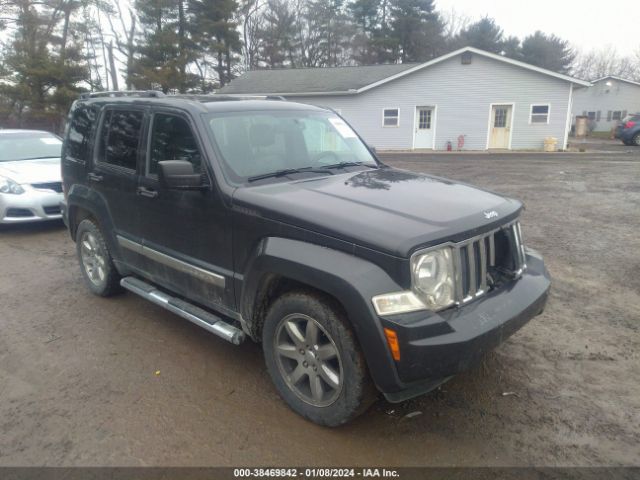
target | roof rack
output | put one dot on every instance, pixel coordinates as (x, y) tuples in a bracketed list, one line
[(211, 97), (123, 93)]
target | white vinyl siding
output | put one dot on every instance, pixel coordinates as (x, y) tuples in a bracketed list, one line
[(606, 102), (463, 94)]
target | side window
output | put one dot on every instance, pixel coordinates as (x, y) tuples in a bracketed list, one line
[(79, 133), (120, 138), (172, 139)]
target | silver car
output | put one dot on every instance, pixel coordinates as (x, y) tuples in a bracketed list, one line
[(30, 179)]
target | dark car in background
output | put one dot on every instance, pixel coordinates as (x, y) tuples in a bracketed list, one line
[(627, 128)]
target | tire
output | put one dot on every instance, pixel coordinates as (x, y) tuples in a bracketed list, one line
[(354, 392), (96, 264), (636, 140)]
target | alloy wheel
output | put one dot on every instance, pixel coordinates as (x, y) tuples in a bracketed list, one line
[(93, 258), (308, 360)]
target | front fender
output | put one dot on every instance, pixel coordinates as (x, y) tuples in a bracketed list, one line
[(353, 281)]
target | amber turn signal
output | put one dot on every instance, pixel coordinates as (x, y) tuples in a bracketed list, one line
[(394, 345)]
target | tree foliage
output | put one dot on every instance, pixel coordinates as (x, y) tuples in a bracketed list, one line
[(51, 50)]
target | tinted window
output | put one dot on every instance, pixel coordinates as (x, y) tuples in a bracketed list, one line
[(172, 139), (79, 133), (120, 138)]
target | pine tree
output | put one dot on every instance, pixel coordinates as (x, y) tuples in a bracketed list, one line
[(216, 33), (165, 48), (484, 34), (417, 29), (548, 51)]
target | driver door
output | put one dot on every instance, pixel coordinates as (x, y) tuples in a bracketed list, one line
[(187, 233)]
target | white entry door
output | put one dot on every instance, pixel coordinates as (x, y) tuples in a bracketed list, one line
[(500, 134), (423, 128)]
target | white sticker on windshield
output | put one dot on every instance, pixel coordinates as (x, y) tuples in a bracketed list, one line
[(342, 128), (50, 141)]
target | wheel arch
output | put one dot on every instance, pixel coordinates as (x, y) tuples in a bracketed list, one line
[(280, 264)]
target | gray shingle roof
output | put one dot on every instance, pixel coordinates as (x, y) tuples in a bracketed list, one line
[(311, 80)]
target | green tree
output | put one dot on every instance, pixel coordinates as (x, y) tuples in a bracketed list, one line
[(276, 35), (548, 51), (217, 35), (44, 62), (165, 48), (484, 34), (417, 30)]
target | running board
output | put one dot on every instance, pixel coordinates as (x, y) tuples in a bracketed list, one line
[(186, 310)]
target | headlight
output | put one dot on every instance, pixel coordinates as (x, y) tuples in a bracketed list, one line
[(433, 285), (433, 278), (9, 186)]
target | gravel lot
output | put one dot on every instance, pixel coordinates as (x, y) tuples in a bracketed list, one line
[(89, 381)]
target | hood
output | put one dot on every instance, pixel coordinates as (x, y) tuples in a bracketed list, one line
[(389, 210), (32, 171)]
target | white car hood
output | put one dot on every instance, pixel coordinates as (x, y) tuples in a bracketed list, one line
[(32, 171)]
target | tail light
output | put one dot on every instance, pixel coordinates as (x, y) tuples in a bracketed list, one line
[(629, 124)]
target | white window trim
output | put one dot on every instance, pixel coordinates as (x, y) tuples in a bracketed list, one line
[(398, 118), (548, 105)]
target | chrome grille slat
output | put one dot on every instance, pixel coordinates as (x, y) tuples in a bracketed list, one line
[(471, 259), (483, 265), (470, 265)]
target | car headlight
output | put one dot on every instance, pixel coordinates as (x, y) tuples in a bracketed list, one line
[(9, 186), (433, 285), (433, 278)]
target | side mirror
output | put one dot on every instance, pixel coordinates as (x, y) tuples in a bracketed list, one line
[(179, 175), (372, 149)]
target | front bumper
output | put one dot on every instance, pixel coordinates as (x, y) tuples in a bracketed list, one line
[(436, 346), (31, 206)]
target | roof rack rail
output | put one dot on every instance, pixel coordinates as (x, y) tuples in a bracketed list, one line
[(221, 97), (123, 93)]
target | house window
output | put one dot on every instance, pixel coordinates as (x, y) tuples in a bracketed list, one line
[(540, 114), (391, 117), (617, 115), (592, 115)]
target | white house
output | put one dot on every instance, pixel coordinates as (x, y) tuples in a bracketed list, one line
[(607, 102), (487, 100)]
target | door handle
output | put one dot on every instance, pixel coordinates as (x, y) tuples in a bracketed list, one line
[(146, 192), (94, 177)]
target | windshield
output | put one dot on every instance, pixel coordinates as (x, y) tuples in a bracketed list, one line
[(258, 143), (28, 146)]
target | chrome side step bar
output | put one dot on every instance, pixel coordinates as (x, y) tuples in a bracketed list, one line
[(186, 310)]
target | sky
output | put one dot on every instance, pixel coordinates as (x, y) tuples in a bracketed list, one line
[(587, 24)]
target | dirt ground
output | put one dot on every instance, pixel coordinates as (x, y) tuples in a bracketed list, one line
[(90, 381)]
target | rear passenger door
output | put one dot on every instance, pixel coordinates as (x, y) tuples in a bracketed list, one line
[(114, 175), (187, 233)]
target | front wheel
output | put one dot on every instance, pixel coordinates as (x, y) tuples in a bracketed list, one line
[(636, 140), (314, 359)]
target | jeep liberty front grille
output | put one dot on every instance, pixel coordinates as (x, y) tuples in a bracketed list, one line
[(480, 260)]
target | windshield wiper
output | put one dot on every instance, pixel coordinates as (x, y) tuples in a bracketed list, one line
[(350, 164), (288, 171)]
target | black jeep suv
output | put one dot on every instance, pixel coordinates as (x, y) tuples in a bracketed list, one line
[(274, 221)]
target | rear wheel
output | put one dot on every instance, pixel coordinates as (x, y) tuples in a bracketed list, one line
[(314, 359), (96, 264), (636, 140)]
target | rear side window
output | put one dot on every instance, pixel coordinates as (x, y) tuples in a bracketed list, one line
[(120, 138), (172, 139), (78, 139)]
